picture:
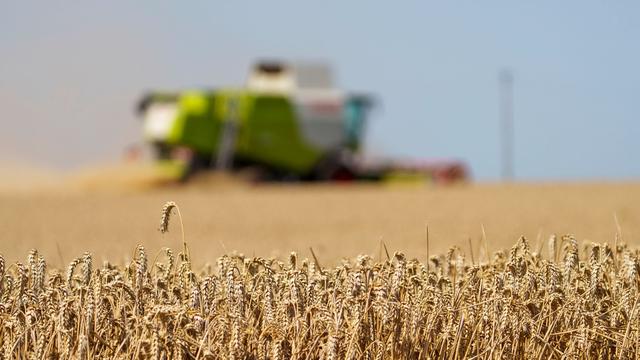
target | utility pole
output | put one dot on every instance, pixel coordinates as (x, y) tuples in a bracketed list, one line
[(505, 79)]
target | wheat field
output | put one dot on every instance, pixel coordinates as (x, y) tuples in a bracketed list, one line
[(322, 272), (520, 304)]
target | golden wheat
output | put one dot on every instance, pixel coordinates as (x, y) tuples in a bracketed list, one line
[(517, 304)]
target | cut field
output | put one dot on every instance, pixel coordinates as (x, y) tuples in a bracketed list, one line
[(336, 221)]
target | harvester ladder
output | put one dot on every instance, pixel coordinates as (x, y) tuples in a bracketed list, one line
[(224, 156)]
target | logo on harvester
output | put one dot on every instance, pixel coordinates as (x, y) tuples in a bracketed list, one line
[(325, 107)]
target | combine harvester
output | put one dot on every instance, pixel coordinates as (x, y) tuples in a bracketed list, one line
[(288, 124)]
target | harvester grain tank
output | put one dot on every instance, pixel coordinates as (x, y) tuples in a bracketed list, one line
[(288, 122)]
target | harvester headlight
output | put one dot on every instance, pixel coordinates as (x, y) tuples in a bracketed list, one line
[(158, 120)]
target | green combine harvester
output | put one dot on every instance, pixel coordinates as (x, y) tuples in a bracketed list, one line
[(289, 123)]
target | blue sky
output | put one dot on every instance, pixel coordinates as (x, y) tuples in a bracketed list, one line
[(69, 76)]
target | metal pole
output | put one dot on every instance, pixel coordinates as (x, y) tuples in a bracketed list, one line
[(505, 79)]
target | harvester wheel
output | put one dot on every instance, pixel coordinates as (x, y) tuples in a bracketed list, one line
[(332, 167)]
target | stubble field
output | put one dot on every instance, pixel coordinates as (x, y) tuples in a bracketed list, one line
[(336, 221)]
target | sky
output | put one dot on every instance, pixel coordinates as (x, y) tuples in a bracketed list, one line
[(71, 75)]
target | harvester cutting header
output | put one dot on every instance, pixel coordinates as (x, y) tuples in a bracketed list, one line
[(288, 123)]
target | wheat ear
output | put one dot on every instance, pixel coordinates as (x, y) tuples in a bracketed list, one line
[(164, 222)]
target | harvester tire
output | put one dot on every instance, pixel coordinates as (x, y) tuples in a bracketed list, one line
[(332, 167)]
